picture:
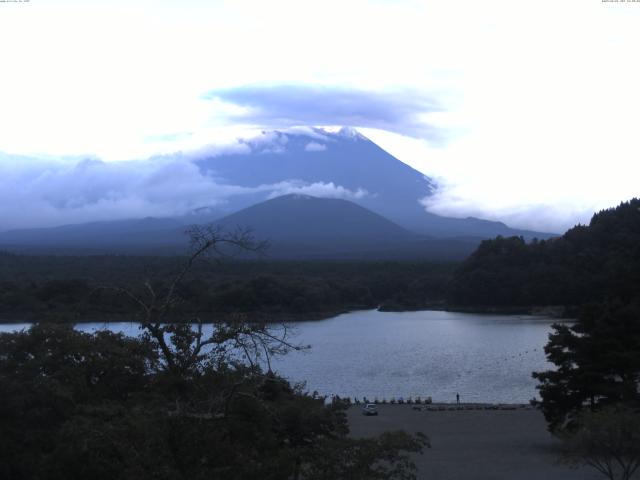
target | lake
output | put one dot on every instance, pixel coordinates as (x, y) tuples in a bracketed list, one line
[(483, 357)]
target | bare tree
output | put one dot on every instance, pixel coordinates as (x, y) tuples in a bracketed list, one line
[(184, 344)]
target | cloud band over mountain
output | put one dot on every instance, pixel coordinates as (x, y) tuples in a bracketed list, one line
[(277, 106), (39, 193)]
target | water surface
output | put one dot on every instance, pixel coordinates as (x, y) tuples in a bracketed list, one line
[(484, 358)]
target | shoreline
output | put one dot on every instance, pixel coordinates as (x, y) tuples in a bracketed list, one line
[(456, 407), (437, 406), (559, 312)]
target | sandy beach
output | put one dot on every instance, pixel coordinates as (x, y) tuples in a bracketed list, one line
[(475, 444)]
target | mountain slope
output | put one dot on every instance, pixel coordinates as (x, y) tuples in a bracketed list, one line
[(296, 227), (303, 217), (110, 236), (346, 165), (338, 167), (301, 226)]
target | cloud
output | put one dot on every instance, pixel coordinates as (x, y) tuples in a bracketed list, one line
[(315, 147), (556, 217), (317, 189), (509, 102), (41, 193), (36, 192), (277, 106)]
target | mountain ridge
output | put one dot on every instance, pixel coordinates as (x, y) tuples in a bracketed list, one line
[(349, 160), (342, 166), (296, 227)]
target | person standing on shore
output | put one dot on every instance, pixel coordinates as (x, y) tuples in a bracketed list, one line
[(458, 398)]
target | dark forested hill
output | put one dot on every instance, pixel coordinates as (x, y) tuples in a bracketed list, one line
[(65, 288), (296, 226), (301, 226), (306, 218), (588, 263)]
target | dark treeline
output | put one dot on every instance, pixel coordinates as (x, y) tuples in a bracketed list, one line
[(68, 288), (588, 263), (175, 402)]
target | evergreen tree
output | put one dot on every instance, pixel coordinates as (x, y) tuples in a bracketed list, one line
[(598, 363)]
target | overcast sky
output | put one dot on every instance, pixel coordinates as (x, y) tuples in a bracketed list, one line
[(524, 111)]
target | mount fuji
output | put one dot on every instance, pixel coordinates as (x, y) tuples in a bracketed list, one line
[(347, 165), (367, 201)]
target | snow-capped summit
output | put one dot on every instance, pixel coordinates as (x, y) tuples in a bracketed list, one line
[(352, 133)]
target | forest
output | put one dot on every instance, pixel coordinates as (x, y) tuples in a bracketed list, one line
[(175, 402), (591, 398), (589, 263), (69, 288), (80, 405)]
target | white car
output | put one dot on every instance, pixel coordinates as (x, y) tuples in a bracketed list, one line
[(369, 409)]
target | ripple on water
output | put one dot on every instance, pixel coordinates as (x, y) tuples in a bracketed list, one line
[(485, 358)]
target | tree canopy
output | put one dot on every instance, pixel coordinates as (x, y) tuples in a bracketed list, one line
[(586, 264), (174, 403), (597, 364)]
